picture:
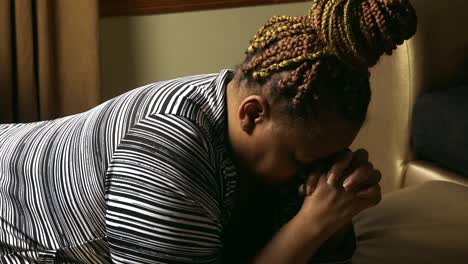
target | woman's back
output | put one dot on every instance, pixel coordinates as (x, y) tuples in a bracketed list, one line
[(53, 173)]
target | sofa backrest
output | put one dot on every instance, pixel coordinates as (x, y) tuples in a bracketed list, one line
[(433, 58)]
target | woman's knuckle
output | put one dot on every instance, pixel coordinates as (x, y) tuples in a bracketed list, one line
[(348, 154), (351, 181), (361, 155), (378, 175), (368, 166), (362, 172)]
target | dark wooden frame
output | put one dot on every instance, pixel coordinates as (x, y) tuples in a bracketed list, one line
[(145, 7)]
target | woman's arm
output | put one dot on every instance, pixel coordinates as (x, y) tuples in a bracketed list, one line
[(295, 242), (328, 209), (339, 248)]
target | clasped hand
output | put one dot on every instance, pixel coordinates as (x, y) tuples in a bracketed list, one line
[(335, 196)]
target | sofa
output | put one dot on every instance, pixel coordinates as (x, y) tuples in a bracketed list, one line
[(423, 216), (433, 59)]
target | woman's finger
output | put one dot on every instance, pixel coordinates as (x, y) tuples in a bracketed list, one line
[(308, 187), (366, 199), (374, 179), (311, 183), (339, 167), (301, 191), (359, 176), (360, 156), (372, 194)]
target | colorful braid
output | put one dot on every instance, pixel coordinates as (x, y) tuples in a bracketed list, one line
[(337, 38)]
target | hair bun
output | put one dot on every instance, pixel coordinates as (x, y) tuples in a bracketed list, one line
[(360, 31)]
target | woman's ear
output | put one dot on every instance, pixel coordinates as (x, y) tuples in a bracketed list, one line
[(252, 111)]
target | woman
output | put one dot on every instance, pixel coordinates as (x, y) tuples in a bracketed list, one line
[(163, 173)]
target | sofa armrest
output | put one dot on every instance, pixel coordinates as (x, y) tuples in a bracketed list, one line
[(418, 172)]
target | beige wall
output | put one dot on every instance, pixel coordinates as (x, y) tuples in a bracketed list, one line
[(138, 50)]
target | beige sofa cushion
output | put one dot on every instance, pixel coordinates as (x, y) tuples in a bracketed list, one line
[(422, 224)]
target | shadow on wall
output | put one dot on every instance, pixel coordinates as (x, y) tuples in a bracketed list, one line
[(118, 64)]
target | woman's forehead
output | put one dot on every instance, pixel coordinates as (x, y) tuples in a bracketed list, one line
[(323, 141)]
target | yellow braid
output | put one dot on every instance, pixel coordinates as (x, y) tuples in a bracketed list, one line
[(347, 29), (263, 37), (276, 67)]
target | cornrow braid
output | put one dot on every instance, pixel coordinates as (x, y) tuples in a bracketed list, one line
[(330, 48)]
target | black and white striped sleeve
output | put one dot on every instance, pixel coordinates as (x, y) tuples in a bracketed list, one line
[(159, 195)]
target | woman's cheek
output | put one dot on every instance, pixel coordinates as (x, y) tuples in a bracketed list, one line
[(276, 169), (286, 172)]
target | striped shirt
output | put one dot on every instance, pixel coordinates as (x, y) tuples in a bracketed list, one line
[(145, 177), (142, 178)]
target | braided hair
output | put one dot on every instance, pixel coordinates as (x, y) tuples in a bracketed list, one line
[(322, 59)]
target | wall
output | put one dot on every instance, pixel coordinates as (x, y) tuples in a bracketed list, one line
[(137, 50)]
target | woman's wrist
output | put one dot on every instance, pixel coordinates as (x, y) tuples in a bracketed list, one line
[(340, 244), (295, 242), (310, 228), (320, 225)]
